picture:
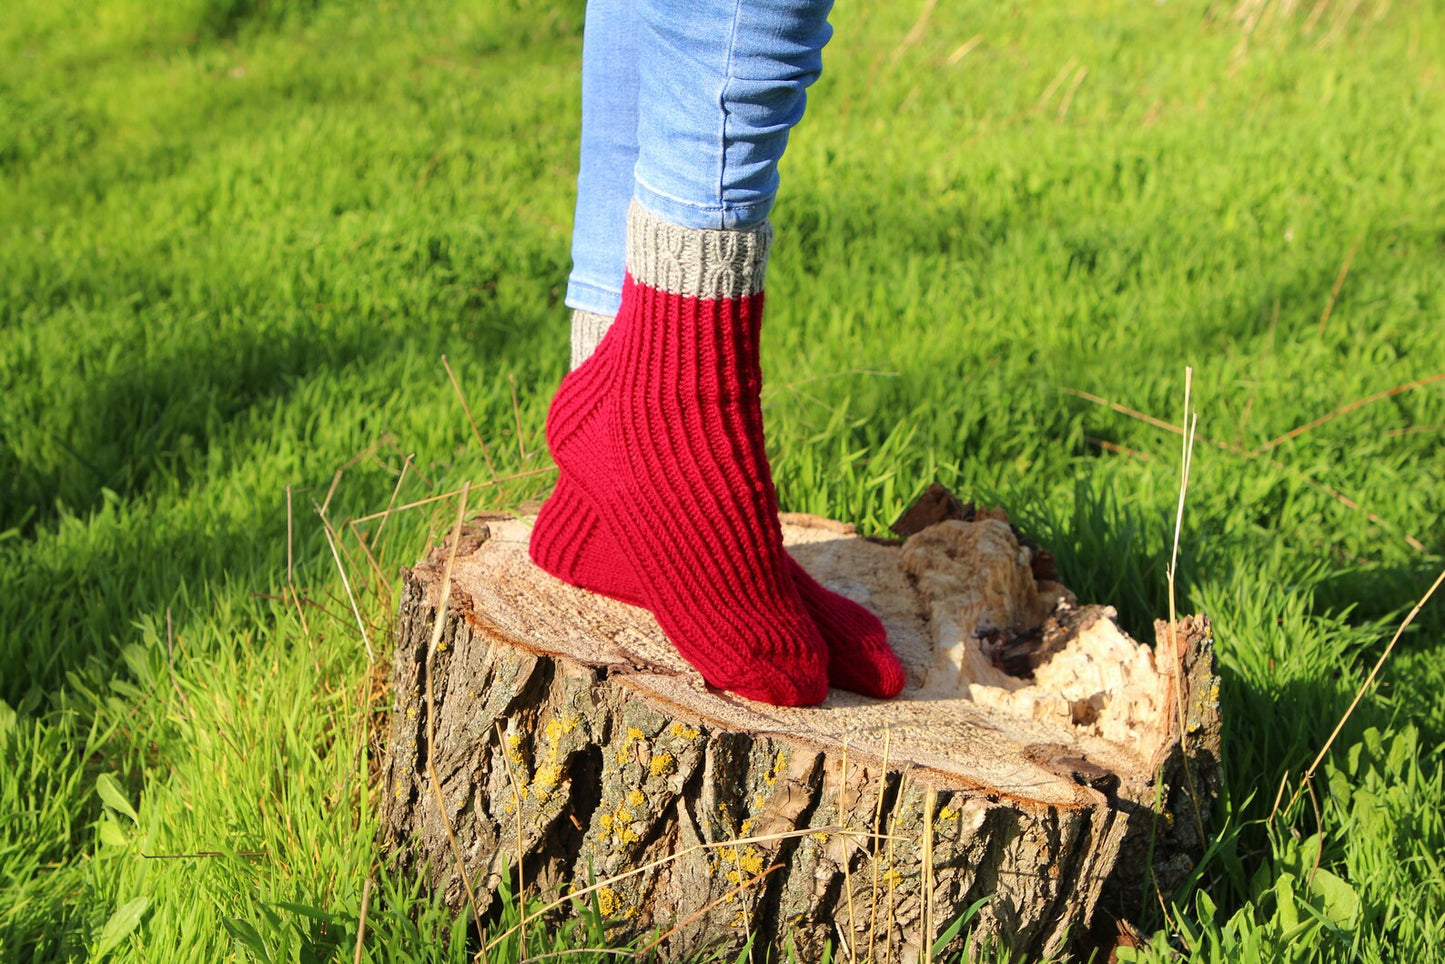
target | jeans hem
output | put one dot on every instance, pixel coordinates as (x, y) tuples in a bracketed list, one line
[(586, 296), (720, 216)]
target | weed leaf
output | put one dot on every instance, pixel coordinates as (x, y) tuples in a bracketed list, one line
[(1339, 903), (110, 834), (952, 930), (114, 797), (245, 934), (125, 919), (305, 910)]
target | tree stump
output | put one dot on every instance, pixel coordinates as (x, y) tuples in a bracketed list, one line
[(1039, 766)]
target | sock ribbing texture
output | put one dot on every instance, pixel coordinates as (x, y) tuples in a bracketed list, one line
[(581, 551), (574, 543), (667, 444)]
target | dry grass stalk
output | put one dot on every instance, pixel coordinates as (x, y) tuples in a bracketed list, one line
[(1309, 773), (331, 490), (409, 457), (847, 858), (1279, 794), (930, 924), (467, 409), (915, 33), (371, 560), (1345, 410), (351, 564), (291, 573), (1116, 448), (1064, 104), (1349, 503), (363, 740), (361, 921), (1339, 283), (1133, 413), (210, 855), (357, 459), (1176, 682), (1307, 479), (878, 845), (517, 420), (1244, 419), (431, 769), (659, 862), (1056, 83), (517, 805), (1413, 430), (964, 49), (305, 601), (447, 495), (391, 503), (744, 885), (1184, 466), (346, 584)]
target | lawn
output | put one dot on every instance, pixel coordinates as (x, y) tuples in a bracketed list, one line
[(238, 237)]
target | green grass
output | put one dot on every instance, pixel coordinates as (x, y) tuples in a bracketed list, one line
[(237, 237)]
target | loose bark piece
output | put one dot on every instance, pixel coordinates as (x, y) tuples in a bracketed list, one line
[(935, 505), (1030, 748)]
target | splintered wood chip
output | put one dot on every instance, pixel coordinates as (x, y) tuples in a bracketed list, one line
[(935, 505)]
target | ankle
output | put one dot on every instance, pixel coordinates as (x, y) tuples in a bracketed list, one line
[(588, 330)]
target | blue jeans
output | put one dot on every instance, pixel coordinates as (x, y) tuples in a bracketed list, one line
[(686, 105)]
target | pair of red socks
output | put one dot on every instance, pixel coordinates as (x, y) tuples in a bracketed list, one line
[(665, 497)]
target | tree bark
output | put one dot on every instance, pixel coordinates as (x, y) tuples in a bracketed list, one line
[(1039, 761)]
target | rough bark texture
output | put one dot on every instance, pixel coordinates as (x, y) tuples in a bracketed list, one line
[(1022, 764)]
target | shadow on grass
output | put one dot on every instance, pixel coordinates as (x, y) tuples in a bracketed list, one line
[(153, 520), (153, 418)]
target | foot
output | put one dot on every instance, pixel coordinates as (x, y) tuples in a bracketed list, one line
[(574, 541), (668, 447), (576, 547)]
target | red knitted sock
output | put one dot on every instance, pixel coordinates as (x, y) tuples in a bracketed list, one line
[(669, 447), (572, 542)]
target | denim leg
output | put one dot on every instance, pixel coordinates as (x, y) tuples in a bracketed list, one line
[(696, 99), (609, 153), (721, 84)]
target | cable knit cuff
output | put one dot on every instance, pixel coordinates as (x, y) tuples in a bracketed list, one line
[(696, 262), (587, 330)]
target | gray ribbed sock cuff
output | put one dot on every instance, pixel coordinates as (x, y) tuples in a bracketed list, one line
[(696, 262), (587, 330)]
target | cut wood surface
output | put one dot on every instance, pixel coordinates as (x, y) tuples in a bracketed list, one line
[(1034, 762)]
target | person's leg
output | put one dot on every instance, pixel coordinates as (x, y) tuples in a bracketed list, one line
[(604, 178), (721, 85), (680, 435), (755, 62)]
